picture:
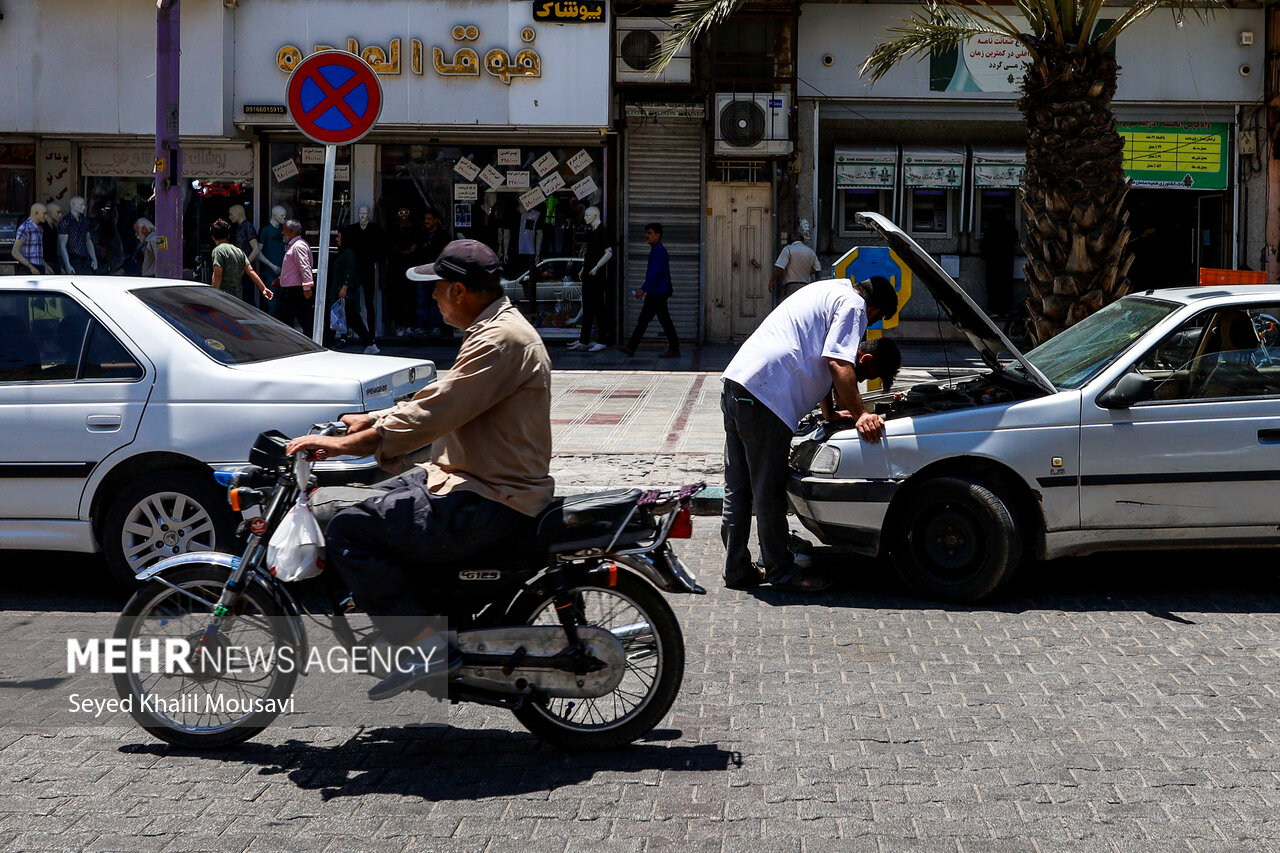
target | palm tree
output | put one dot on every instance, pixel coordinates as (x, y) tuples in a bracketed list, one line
[(1077, 234)]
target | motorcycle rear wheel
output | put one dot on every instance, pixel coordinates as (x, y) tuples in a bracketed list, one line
[(189, 716), (654, 647)]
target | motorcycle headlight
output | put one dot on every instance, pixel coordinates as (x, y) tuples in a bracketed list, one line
[(826, 460)]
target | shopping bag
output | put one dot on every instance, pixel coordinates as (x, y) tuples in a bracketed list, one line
[(338, 317), (296, 549)]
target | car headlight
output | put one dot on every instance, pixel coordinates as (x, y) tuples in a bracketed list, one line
[(826, 460)]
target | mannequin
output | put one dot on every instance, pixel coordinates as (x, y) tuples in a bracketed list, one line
[(486, 223), (245, 239), (75, 240), (595, 281), (529, 246), (367, 242), (52, 217), (271, 240), (28, 247)]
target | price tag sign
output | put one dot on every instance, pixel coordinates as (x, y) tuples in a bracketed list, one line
[(492, 177), (508, 156), (466, 169), (532, 198), (545, 163), (518, 180), (579, 161), (464, 192)]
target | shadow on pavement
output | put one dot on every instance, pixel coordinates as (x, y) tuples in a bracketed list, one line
[(55, 580), (1162, 583), (444, 763)]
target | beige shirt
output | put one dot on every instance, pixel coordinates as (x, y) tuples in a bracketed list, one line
[(489, 416)]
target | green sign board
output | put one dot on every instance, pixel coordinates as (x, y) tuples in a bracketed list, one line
[(1179, 155)]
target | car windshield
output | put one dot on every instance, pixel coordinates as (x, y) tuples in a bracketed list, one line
[(1075, 356), (224, 328)]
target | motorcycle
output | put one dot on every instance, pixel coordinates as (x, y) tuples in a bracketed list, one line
[(569, 630)]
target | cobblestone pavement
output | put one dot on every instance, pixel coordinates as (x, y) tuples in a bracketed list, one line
[(1103, 704)]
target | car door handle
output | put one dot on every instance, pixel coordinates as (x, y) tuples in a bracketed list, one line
[(1269, 436), (103, 423)]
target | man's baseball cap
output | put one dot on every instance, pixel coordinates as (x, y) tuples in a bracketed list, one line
[(467, 261)]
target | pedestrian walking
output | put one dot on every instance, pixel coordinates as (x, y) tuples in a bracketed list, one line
[(794, 268), (806, 347), (402, 294), (435, 238), (232, 271), (296, 285), (344, 283), (655, 291), (145, 232)]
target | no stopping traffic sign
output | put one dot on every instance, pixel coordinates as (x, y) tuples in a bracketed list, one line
[(334, 97)]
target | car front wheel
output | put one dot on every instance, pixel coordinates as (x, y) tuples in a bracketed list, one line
[(958, 541), (161, 514)]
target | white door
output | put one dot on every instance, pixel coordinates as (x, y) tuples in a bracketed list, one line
[(70, 395), (739, 259)]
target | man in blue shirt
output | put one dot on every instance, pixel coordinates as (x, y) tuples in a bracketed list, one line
[(655, 291)]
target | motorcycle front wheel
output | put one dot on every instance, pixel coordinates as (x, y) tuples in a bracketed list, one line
[(643, 621), (238, 682)]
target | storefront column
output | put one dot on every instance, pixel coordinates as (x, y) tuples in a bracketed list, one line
[(364, 177)]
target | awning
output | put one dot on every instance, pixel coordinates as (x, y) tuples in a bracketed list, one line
[(999, 168), (866, 168), (936, 168)]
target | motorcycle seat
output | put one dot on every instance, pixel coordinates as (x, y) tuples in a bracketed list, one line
[(580, 522)]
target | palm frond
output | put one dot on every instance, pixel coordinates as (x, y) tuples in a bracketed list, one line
[(937, 27), (1202, 10), (692, 19)]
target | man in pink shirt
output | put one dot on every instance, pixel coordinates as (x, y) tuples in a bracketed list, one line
[(296, 283)]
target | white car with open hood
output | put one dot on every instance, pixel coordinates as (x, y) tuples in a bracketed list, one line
[(120, 396), (1154, 423)]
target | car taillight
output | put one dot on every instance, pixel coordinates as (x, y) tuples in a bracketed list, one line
[(682, 527)]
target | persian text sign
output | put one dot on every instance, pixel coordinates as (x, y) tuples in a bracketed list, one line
[(1181, 155)]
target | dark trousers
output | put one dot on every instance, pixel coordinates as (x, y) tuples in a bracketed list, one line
[(592, 310), (354, 321), (380, 545), (294, 306), (655, 306), (757, 445), (403, 296)]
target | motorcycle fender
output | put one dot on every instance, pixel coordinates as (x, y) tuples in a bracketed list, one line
[(230, 562), (662, 568)]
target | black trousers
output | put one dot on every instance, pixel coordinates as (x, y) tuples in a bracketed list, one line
[(592, 310), (295, 306), (655, 306), (379, 546)]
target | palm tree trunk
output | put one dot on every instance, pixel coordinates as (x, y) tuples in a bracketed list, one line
[(1077, 234)]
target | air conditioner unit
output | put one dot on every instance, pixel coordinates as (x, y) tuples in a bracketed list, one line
[(638, 43), (753, 124)]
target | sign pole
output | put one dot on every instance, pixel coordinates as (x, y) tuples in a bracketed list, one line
[(322, 267)]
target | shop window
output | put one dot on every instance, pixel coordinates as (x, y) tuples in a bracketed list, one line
[(115, 203), (297, 185), (17, 178), (930, 212), (857, 201)]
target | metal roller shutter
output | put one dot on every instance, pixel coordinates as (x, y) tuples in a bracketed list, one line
[(663, 173)]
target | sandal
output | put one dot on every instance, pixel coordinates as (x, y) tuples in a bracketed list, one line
[(793, 581)]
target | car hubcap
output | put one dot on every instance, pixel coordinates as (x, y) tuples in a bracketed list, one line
[(950, 541), (164, 524)]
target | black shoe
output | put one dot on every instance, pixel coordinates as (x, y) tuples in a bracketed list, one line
[(431, 658), (751, 580), (794, 581)]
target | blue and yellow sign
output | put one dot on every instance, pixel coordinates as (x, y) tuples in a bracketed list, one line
[(862, 262)]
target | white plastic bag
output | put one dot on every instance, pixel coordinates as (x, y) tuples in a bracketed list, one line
[(296, 549), (338, 317)]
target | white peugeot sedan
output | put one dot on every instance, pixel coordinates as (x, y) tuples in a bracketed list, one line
[(1154, 423), (120, 396)]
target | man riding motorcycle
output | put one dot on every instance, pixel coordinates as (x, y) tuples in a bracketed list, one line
[(489, 423)]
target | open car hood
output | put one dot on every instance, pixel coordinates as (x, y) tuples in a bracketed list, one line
[(986, 338)]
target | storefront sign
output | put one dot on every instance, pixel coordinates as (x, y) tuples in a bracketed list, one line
[(570, 12), (999, 169), (866, 168), (205, 162), (986, 62), (505, 65), (54, 180), (1178, 155), (934, 169)]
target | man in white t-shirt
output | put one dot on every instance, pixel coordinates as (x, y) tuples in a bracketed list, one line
[(794, 267), (807, 346)]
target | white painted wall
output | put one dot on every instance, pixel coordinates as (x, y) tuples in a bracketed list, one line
[(573, 90), (88, 67), (1159, 61)]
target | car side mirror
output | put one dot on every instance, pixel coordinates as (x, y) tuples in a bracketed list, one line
[(1132, 388)]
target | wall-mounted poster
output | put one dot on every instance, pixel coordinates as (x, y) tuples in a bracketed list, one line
[(462, 214)]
